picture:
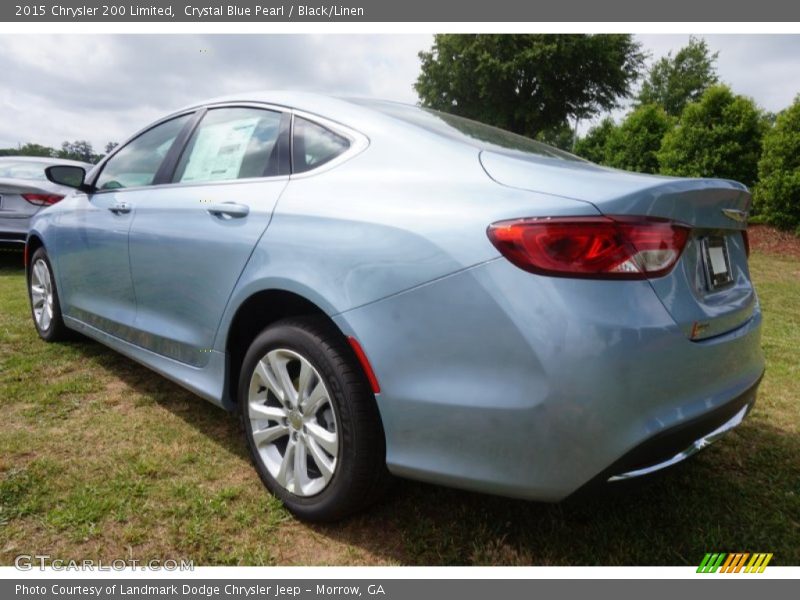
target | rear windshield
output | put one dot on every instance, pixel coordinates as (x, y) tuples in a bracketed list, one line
[(465, 130), (33, 171)]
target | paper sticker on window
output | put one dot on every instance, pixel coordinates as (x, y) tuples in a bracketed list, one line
[(219, 150)]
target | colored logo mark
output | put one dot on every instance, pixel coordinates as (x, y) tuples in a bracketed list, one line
[(735, 562)]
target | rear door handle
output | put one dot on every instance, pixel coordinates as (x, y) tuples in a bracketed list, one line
[(229, 209), (120, 207)]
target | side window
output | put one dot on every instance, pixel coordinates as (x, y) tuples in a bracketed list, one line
[(138, 162), (232, 143), (314, 145)]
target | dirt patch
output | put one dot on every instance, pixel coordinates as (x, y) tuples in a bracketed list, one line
[(774, 241)]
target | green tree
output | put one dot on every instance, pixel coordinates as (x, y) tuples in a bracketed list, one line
[(77, 150), (562, 137), (29, 150), (777, 195), (594, 145), (634, 145), (36, 150), (675, 81), (719, 136), (528, 83)]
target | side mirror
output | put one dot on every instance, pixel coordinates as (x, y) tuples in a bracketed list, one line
[(67, 175)]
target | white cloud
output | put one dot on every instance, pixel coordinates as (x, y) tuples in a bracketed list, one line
[(103, 88)]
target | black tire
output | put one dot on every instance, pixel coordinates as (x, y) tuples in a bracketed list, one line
[(360, 476), (55, 330)]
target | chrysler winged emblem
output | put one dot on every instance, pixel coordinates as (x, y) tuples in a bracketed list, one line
[(736, 215)]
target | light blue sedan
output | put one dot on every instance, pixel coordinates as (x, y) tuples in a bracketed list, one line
[(381, 289)]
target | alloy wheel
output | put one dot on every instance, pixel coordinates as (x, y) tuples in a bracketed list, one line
[(42, 294), (293, 422)]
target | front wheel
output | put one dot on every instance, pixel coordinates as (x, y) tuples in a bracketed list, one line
[(311, 421), (43, 295)]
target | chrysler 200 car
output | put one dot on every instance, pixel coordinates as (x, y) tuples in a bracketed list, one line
[(382, 289)]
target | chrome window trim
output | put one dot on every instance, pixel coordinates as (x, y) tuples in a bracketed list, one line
[(358, 143), (163, 186)]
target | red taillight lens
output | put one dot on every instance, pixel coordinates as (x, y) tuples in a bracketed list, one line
[(746, 240), (591, 247), (42, 199)]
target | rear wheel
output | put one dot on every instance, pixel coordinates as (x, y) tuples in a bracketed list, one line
[(311, 422), (43, 295)]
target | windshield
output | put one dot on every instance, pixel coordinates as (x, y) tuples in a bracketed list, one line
[(465, 130)]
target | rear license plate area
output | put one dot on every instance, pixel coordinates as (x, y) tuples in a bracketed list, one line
[(716, 260)]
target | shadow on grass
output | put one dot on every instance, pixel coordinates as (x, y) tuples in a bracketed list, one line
[(11, 258), (741, 495), (212, 421)]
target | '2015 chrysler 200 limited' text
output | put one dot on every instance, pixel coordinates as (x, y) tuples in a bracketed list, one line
[(380, 289)]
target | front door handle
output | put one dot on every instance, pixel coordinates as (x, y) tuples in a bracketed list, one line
[(120, 207), (229, 209)]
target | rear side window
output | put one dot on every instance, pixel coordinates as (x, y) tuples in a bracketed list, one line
[(313, 145), (138, 162), (233, 143)]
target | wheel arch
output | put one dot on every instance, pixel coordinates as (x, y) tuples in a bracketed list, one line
[(32, 244), (257, 312)]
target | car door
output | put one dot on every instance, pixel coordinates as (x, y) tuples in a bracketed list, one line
[(93, 262), (190, 242)]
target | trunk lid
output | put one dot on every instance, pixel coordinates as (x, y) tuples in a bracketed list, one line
[(709, 291), (12, 204)]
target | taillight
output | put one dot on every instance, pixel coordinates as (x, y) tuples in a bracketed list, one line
[(42, 199), (591, 247), (746, 240)]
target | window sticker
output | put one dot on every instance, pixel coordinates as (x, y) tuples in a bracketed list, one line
[(219, 150)]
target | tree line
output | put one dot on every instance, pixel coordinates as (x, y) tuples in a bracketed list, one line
[(682, 120), (78, 150)]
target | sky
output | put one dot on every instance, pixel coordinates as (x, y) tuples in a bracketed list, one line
[(103, 88)]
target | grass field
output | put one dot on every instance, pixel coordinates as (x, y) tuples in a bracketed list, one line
[(100, 458)]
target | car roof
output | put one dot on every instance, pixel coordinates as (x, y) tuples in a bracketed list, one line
[(46, 160), (333, 108), (308, 101), (373, 115)]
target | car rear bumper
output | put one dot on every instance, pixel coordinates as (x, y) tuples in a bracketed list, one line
[(501, 381), (678, 443)]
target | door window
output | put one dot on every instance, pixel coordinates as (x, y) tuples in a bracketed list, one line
[(137, 163), (232, 143)]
